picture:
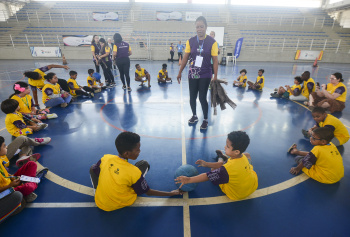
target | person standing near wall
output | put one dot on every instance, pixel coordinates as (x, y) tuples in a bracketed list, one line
[(111, 45), (121, 53), (172, 50), (95, 50), (180, 47), (200, 49)]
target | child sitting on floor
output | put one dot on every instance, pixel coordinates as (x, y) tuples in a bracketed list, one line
[(91, 81), (52, 93), (26, 103), (324, 162), (163, 74), (295, 90), (236, 177), (18, 124), (75, 89), (241, 79), (142, 75), (322, 119), (118, 182), (12, 181), (260, 81)]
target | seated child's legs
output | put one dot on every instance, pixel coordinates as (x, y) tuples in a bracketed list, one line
[(55, 101), (251, 84), (86, 88), (22, 142), (29, 169), (68, 99), (9, 203), (298, 159)]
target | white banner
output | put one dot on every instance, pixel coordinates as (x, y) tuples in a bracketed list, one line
[(77, 40), (169, 16), (192, 16), (105, 16), (46, 52), (308, 55)]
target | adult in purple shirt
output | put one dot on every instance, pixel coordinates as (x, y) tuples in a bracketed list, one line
[(121, 53), (200, 49)]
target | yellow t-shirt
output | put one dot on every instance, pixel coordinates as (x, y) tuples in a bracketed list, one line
[(329, 166), (114, 189), (11, 128), (263, 81), (90, 81), (55, 88), (243, 180), (140, 73), (3, 172), (25, 103), (214, 48), (305, 91), (331, 89), (40, 82), (4, 158), (340, 131), (75, 84), (164, 74), (241, 79), (293, 88)]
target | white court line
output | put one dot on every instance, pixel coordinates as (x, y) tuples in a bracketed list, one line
[(178, 202)]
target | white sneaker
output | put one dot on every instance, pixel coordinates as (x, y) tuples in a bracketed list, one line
[(43, 141), (51, 116), (30, 197), (42, 126)]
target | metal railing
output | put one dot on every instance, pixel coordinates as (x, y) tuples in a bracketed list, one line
[(151, 15)]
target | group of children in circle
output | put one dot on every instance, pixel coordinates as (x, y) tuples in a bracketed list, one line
[(24, 116)]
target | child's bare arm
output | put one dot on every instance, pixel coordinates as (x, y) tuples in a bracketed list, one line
[(189, 180), (296, 170), (213, 165), (152, 192)]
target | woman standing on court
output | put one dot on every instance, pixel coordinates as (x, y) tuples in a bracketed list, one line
[(200, 49), (95, 50), (121, 53)]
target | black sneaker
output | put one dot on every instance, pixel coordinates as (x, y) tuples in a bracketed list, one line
[(124, 87), (129, 89), (193, 119), (41, 173), (204, 125), (275, 95)]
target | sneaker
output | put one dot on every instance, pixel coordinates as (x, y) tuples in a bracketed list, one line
[(91, 95), (124, 87), (275, 95), (305, 133), (41, 173), (43, 141), (51, 116), (204, 124), (37, 106), (24, 159), (129, 89), (276, 89), (30, 197), (64, 105), (42, 126), (193, 119)]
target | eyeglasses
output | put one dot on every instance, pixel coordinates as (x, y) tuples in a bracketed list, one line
[(315, 138)]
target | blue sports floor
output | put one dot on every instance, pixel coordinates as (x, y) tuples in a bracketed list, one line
[(283, 205)]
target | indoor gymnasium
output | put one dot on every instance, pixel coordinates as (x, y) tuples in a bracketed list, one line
[(175, 118)]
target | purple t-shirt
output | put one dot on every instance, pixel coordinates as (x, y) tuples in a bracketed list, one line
[(122, 50), (205, 71)]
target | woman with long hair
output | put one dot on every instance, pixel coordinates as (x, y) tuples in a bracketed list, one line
[(95, 50), (121, 53), (106, 62)]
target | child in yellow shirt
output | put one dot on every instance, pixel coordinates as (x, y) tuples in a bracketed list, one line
[(286, 91), (163, 74), (16, 123), (322, 119), (241, 79), (236, 176), (324, 162), (75, 89), (260, 81)]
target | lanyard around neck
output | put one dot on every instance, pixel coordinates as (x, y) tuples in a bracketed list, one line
[(201, 47), (25, 101)]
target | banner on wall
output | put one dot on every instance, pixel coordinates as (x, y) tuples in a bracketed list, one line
[(192, 16), (308, 55), (238, 47), (46, 52), (105, 16), (77, 40), (169, 16)]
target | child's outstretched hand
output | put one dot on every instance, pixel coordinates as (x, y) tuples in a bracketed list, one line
[(16, 182), (66, 67), (294, 170), (177, 192), (183, 180), (201, 163)]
